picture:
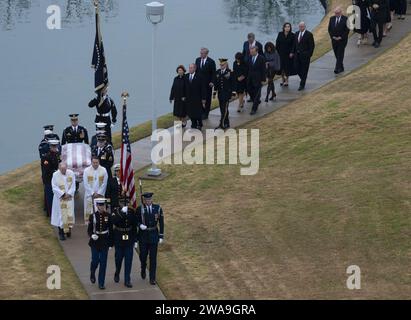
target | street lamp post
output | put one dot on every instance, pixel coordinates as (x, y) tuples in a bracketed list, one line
[(155, 14)]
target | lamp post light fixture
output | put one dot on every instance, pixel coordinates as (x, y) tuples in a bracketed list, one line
[(155, 15)]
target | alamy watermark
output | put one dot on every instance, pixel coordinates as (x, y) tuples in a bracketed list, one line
[(54, 280), (211, 147)]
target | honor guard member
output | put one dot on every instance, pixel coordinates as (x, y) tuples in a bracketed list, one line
[(114, 190), (100, 231), (49, 165), (44, 148), (74, 133), (100, 128), (125, 236), (225, 87), (48, 135), (104, 151), (105, 109), (149, 218)]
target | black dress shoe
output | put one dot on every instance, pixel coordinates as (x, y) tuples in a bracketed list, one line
[(153, 282), (143, 274), (204, 117), (61, 234), (92, 278), (253, 112), (219, 127), (102, 287), (266, 99), (128, 285), (301, 88), (116, 278), (68, 234)]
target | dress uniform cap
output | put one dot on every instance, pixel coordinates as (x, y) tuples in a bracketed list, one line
[(53, 142), (148, 195), (74, 116), (223, 60), (116, 167), (48, 132), (49, 127), (100, 125), (100, 201)]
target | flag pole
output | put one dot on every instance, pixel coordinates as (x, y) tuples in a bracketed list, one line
[(124, 96)]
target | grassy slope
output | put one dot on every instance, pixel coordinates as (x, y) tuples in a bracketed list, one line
[(333, 190), (28, 248), (27, 243)]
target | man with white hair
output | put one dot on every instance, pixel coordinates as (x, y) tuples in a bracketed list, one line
[(338, 30), (302, 52), (62, 213)]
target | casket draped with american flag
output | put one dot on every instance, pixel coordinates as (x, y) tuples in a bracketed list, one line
[(78, 157)]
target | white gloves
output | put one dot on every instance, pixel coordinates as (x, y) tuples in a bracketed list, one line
[(161, 241), (143, 227), (124, 210), (135, 245), (94, 237)]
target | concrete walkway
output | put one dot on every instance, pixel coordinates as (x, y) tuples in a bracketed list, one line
[(321, 73)]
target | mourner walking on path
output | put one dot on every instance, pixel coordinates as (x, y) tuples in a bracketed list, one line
[(256, 77), (75, 133), (303, 50), (250, 43), (240, 70), (178, 94), (207, 68), (100, 231), (338, 31), (196, 97), (284, 44), (272, 60), (64, 187), (150, 218)]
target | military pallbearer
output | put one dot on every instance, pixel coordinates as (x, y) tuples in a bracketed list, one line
[(74, 133)]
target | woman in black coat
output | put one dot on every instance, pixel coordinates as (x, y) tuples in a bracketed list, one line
[(284, 45), (240, 70), (178, 95)]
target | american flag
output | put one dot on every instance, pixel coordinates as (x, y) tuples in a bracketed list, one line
[(126, 167)]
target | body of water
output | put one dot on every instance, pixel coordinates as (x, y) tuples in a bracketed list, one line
[(46, 74)]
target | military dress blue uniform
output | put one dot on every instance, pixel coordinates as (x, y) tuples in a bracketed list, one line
[(78, 135), (105, 154), (125, 235), (153, 218), (225, 87), (49, 165), (106, 112), (100, 224)]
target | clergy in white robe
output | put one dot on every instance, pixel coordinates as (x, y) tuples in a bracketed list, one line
[(64, 186), (95, 184)]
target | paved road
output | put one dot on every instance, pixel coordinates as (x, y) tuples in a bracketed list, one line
[(321, 73)]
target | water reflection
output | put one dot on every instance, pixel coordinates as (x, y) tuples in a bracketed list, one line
[(13, 12), (269, 15)]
